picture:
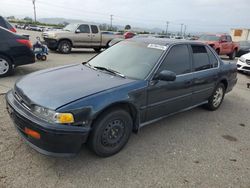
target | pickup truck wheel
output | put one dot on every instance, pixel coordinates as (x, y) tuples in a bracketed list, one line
[(111, 132), (232, 55), (6, 67), (217, 97), (64, 47), (97, 49)]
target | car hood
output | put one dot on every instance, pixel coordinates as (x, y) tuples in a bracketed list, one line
[(246, 56), (56, 87)]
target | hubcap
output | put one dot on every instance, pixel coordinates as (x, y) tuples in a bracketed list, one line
[(113, 133), (4, 66), (218, 97), (65, 47)]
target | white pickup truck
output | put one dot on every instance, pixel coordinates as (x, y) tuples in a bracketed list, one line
[(78, 36)]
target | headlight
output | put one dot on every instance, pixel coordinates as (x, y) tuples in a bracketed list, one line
[(242, 59), (52, 116)]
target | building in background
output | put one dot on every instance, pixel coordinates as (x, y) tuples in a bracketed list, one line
[(240, 34)]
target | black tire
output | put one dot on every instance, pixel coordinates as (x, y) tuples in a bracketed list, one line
[(216, 99), (6, 67), (217, 51), (44, 58), (64, 47), (39, 56), (97, 49), (111, 132), (233, 55)]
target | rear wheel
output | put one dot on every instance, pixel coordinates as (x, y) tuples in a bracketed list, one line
[(64, 47), (233, 55), (110, 132), (217, 97), (44, 58), (6, 67)]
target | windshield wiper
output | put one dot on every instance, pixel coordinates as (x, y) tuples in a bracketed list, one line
[(110, 70)]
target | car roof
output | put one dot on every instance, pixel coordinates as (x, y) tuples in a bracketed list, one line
[(164, 41)]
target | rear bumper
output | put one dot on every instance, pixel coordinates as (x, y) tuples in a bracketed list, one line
[(55, 140), (27, 58)]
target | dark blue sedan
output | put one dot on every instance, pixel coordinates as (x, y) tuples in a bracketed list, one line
[(102, 101)]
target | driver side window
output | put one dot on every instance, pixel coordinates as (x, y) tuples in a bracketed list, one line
[(84, 28), (177, 60)]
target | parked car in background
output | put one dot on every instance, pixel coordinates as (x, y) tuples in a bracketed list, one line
[(129, 35), (243, 63), (15, 50), (78, 36), (244, 48), (132, 84), (5, 24), (221, 43)]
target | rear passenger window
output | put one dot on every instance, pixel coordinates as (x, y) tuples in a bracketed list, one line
[(200, 58), (84, 28), (177, 60), (212, 58), (94, 29)]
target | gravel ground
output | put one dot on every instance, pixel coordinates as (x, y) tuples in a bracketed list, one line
[(197, 148)]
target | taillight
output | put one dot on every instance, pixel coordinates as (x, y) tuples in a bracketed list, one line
[(13, 30), (25, 42)]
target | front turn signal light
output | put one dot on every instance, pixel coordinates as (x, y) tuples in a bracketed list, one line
[(32, 133), (65, 118)]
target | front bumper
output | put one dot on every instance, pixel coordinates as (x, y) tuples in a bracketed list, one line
[(55, 140), (241, 66), (51, 43)]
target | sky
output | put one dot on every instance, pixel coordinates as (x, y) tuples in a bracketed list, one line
[(197, 15)]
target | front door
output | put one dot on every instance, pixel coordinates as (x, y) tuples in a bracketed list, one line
[(83, 36), (166, 97)]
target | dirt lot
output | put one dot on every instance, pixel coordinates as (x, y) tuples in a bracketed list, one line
[(197, 148)]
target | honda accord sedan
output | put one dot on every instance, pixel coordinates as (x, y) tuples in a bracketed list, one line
[(101, 102)]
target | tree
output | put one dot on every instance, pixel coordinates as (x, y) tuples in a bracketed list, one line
[(28, 19), (127, 27)]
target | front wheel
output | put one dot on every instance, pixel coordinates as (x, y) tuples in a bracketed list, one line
[(64, 47), (111, 132), (217, 97)]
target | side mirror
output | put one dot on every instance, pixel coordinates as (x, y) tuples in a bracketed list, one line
[(166, 76), (78, 31)]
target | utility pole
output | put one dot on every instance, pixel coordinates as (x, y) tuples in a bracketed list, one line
[(111, 21), (185, 29), (181, 28), (34, 6), (167, 27)]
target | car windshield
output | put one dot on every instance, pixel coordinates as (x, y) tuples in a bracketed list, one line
[(70, 27), (209, 38), (131, 59)]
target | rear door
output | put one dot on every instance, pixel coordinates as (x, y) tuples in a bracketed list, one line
[(96, 36), (83, 38), (166, 97), (205, 72)]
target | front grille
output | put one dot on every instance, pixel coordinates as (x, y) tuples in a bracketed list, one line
[(21, 100), (248, 61), (246, 68)]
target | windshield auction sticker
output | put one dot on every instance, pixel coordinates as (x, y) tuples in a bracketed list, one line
[(157, 46)]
